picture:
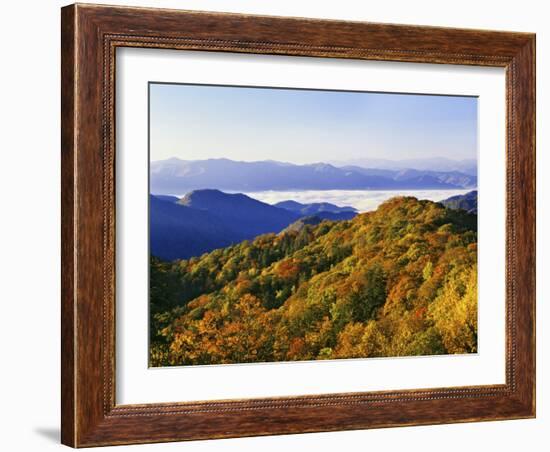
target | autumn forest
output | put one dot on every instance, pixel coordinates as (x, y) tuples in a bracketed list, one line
[(400, 280)]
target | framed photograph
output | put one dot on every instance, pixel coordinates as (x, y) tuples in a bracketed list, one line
[(282, 225)]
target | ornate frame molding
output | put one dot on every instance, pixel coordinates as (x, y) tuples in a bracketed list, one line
[(90, 36)]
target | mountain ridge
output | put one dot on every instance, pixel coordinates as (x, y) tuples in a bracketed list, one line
[(204, 220), (443, 164), (176, 176), (467, 202)]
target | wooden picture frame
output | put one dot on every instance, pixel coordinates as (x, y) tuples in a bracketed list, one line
[(90, 36)]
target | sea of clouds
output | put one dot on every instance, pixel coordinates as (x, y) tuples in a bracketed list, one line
[(362, 200)]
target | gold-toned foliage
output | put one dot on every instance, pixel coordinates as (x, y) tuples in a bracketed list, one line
[(398, 281), (454, 311)]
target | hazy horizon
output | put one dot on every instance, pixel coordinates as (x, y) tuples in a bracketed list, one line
[(199, 122), (331, 162)]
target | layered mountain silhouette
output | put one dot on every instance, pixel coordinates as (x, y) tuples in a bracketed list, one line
[(440, 164), (181, 176), (424, 178), (204, 220), (467, 202), (314, 208)]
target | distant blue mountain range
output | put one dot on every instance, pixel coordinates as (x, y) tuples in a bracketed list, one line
[(440, 164), (175, 176), (204, 220), (316, 208), (467, 202)]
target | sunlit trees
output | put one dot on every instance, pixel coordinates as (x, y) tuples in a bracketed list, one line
[(399, 281), (454, 311)]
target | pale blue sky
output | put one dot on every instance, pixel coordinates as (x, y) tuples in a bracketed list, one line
[(194, 122)]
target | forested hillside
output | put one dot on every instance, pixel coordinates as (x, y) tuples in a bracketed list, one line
[(399, 281)]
